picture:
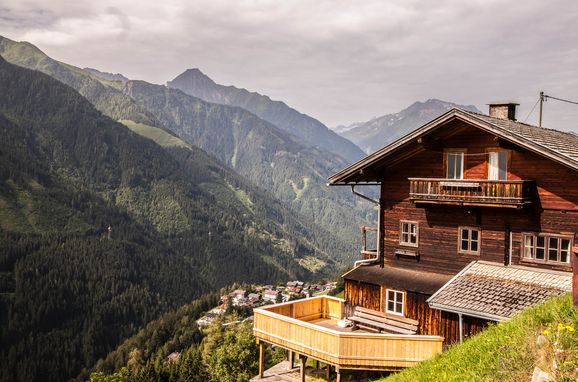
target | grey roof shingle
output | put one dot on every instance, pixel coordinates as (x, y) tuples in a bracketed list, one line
[(497, 292), (564, 143)]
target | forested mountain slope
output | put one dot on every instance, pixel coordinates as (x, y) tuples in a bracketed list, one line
[(270, 157), (100, 92), (180, 224), (292, 172), (308, 129)]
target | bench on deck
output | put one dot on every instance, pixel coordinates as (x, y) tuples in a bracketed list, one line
[(389, 323)]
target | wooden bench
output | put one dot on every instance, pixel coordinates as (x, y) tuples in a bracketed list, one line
[(383, 322)]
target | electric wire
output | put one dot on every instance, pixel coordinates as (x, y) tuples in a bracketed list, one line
[(560, 99), (533, 107)]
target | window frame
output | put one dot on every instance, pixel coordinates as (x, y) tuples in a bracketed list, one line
[(409, 243), (508, 162), (479, 240), (546, 248), (396, 292), (446, 162)]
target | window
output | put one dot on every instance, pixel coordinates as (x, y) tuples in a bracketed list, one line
[(408, 233), (394, 301), (546, 248), (469, 240), (454, 164), (498, 165)]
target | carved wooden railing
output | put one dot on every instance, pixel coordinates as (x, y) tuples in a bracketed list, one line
[(505, 193)]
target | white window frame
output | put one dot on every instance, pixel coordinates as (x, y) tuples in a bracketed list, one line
[(397, 295), (408, 232), (447, 162), (528, 252), (479, 240), (494, 171)]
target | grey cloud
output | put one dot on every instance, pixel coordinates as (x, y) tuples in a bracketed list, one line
[(339, 61)]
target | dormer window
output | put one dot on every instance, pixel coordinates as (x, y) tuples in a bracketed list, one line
[(455, 164)]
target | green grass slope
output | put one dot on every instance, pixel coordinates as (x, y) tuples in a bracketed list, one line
[(509, 351), (160, 136)]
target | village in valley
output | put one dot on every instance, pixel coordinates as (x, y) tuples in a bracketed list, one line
[(254, 296)]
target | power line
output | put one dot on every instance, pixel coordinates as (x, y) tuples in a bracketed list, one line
[(560, 99), (533, 107)]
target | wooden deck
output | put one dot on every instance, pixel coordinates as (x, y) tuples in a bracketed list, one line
[(471, 192), (309, 328)]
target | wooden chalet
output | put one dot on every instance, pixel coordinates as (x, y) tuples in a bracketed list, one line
[(474, 212), (478, 219)]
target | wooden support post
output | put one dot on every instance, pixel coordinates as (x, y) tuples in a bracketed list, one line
[(317, 364), (291, 360), (261, 359), (328, 372), (338, 376), (302, 365)]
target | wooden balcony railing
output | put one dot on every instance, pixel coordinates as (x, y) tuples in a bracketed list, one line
[(309, 327), (498, 193)]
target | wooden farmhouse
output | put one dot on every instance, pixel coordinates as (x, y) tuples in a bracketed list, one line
[(477, 220)]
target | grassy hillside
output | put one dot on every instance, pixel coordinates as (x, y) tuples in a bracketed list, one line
[(160, 136), (509, 351)]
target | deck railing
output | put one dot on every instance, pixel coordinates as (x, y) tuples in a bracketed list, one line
[(503, 193), (290, 326)]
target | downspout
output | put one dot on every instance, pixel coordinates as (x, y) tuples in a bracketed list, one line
[(461, 330), (376, 258)]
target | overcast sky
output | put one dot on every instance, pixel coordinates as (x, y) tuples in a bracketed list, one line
[(338, 61)]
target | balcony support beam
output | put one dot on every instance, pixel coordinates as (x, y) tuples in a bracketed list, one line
[(291, 360), (261, 359), (302, 366)]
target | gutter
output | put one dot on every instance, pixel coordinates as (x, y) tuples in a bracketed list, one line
[(376, 258)]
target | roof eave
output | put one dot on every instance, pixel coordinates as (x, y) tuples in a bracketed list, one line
[(341, 177)]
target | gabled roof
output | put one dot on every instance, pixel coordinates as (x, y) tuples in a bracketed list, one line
[(497, 292), (559, 146)]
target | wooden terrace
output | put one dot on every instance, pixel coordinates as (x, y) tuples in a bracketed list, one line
[(309, 327), (471, 192)]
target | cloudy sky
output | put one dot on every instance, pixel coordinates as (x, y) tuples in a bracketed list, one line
[(339, 61)]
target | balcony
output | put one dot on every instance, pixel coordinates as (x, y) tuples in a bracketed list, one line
[(468, 192), (309, 328)]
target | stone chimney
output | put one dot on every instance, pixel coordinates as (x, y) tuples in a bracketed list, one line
[(504, 110)]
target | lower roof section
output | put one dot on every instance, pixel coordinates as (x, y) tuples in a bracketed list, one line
[(400, 278), (496, 292)]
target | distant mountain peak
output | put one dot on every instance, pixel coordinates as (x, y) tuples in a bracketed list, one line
[(310, 131), (379, 131), (194, 77)]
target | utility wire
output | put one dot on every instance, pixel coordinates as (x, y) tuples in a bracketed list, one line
[(533, 107), (560, 99)]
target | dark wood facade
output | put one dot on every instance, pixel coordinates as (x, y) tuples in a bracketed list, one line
[(539, 196)]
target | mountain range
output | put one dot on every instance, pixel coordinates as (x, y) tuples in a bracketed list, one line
[(196, 83), (291, 169), (380, 131), (104, 229)]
